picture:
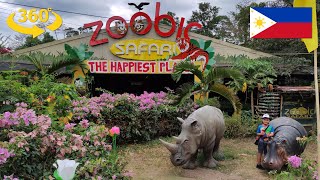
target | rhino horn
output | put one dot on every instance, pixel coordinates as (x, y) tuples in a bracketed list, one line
[(175, 137), (173, 148), (180, 119)]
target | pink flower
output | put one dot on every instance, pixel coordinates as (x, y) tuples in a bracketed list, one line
[(114, 130), (128, 174), (315, 175), (84, 123), (9, 177), (114, 177), (4, 155), (295, 161), (69, 126)]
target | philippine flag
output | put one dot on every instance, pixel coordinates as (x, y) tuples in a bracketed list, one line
[(280, 22)]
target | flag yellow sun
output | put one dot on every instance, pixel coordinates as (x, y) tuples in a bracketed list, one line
[(259, 22)]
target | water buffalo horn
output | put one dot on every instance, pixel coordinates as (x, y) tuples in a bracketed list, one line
[(180, 119), (173, 148)]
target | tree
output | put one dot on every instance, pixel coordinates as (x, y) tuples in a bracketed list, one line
[(226, 30), (70, 32), (167, 22), (208, 17), (258, 73), (210, 81), (47, 38), (30, 41)]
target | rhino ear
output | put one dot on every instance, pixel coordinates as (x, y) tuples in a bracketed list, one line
[(180, 119), (194, 124)]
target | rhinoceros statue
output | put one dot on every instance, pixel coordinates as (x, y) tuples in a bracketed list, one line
[(284, 143), (203, 129)]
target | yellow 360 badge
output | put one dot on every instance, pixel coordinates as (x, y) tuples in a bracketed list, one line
[(33, 16)]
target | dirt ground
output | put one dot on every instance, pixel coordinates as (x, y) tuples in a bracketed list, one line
[(151, 161)]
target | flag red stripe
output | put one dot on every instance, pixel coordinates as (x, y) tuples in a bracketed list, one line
[(287, 30)]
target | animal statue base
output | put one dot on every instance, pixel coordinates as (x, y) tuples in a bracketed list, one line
[(202, 130)]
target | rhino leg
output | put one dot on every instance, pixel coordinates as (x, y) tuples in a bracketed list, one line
[(217, 154), (191, 164), (209, 162)]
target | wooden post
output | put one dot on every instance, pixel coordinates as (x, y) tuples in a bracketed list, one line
[(315, 59), (252, 105), (281, 104)]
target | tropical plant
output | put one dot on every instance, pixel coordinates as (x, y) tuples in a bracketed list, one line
[(209, 81), (47, 63), (257, 74), (79, 55)]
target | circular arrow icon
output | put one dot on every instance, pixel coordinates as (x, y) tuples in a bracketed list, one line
[(34, 30)]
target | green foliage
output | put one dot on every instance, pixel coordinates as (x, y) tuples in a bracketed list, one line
[(11, 92), (239, 127), (256, 71), (207, 16), (38, 145), (234, 128), (211, 102), (167, 22), (30, 41), (306, 171), (79, 55), (210, 81), (46, 63), (140, 126), (47, 38)]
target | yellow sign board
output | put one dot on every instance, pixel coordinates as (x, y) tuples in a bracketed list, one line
[(144, 49)]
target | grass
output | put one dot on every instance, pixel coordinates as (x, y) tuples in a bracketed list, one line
[(151, 161)]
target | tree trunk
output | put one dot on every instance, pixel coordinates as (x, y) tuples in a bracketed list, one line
[(252, 105)]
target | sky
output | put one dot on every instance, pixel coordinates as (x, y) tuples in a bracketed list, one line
[(106, 8)]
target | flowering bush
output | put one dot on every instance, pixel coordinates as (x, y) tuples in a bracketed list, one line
[(299, 168), (30, 145), (141, 118), (294, 161)]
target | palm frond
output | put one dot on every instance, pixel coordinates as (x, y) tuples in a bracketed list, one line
[(186, 66), (38, 60), (229, 95), (61, 61), (216, 75), (234, 74), (185, 91)]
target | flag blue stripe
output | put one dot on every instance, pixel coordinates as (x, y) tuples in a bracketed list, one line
[(284, 14)]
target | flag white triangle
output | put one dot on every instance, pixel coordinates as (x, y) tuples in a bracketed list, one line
[(259, 22)]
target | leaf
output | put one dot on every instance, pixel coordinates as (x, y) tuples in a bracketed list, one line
[(211, 54), (56, 175), (195, 42), (70, 51), (229, 94), (207, 44)]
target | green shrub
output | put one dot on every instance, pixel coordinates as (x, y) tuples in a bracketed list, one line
[(141, 118), (242, 126), (11, 92)]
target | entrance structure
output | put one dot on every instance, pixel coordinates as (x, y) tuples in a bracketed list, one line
[(144, 47)]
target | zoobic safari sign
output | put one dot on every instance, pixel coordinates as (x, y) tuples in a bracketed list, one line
[(148, 56)]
